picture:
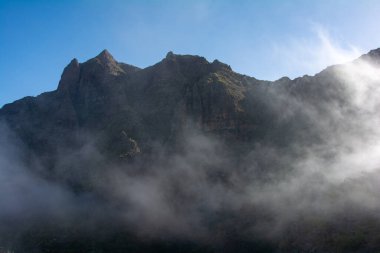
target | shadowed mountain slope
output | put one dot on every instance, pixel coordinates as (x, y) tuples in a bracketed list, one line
[(189, 156)]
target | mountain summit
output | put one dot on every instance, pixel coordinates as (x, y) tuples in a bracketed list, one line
[(157, 103), (187, 155), (150, 104)]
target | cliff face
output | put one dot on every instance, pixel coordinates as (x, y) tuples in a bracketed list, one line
[(124, 108), (110, 116), (112, 100)]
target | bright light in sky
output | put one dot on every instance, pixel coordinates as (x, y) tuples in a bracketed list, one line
[(312, 54), (264, 39)]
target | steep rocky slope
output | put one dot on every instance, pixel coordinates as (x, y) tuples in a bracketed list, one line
[(127, 107), (184, 144)]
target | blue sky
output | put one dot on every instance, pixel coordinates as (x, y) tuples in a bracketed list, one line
[(265, 39)]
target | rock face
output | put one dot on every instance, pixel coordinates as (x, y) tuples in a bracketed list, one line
[(125, 113), (155, 104), (125, 109)]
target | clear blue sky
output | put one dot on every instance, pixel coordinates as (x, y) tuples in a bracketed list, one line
[(265, 39)]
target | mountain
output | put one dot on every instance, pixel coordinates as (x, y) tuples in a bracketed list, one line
[(107, 116), (131, 107)]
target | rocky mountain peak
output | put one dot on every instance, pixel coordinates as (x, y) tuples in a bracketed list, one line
[(105, 57), (70, 74), (375, 52), (375, 55), (169, 55), (372, 56), (217, 65), (184, 58), (103, 62)]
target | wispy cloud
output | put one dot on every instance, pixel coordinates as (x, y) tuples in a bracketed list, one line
[(309, 55)]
